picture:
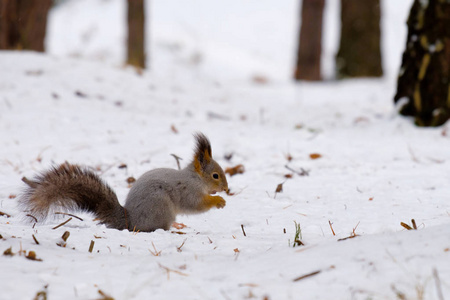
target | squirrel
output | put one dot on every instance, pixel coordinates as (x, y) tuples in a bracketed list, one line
[(153, 201)]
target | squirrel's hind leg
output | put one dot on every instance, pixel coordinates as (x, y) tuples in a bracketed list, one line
[(152, 214)]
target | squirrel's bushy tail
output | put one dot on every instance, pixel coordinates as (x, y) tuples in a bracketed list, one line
[(71, 188)]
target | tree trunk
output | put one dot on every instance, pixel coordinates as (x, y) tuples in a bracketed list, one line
[(23, 24), (136, 33), (359, 52), (310, 41), (424, 79)]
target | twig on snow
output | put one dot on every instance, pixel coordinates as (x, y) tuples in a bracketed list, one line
[(307, 275), (331, 227), (63, 223)]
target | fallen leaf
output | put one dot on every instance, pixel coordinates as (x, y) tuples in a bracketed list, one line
[(32, 256), (178, 225), (260, 79), (80, 94), (315, 155), (174, 129), (8, 252), (239, 169), (279, 188)]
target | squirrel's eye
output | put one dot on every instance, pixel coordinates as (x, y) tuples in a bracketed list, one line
[(215, 176)]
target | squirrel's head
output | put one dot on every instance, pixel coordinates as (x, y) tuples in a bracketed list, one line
[(208, 169)]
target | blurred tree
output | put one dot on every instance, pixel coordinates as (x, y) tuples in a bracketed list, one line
[(23, 24), (310, 41), (136, 33), (359, 52), (424, 79)]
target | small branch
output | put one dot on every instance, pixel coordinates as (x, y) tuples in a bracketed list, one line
[(35, 240), (243, 231), (307, 275), (5, 214), (349, 237), (66, 214), (63, 223)]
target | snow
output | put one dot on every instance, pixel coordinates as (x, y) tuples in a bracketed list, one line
[(78, 103)]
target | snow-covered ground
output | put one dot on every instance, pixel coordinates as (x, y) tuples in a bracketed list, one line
[(79, 103)]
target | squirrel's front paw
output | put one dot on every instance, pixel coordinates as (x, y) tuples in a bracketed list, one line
[(220, 202), (209, 202)]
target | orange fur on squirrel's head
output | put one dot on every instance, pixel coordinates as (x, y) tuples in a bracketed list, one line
[(207, 167)]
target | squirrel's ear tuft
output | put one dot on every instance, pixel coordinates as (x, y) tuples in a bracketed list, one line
[(203, 153)]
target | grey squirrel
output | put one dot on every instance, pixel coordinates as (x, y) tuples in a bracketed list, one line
[(153, 201)]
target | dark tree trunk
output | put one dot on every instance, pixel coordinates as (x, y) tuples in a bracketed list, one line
[(424, 79), (310, 41), (23, 24), (359, 52), (136, 33)]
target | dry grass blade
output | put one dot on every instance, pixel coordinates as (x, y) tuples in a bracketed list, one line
[(406, 226), (181, 246), (243, 231), (414, 224), (35, 240), (41, 295), (63, 223), (156, 252), (104, 296), (302, 171), (33, 217), (91, 246), (168, 270), (307, 275), (331, 227), (65, 236), (438, 285), (177, 158)]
